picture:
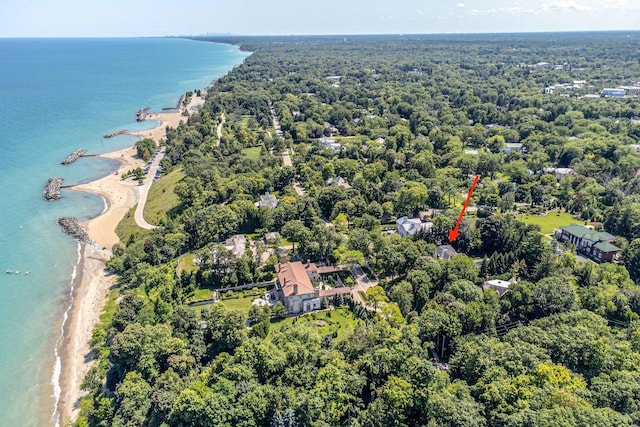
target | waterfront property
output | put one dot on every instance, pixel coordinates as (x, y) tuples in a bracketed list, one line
[(595, 244)]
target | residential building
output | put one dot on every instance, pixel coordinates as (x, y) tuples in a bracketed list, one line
[(500, 286), (236, 244), (267, 200), (294, 286), (338, 180), (595, 244), (559, 172), (330, 143), (409, 226), (445, 252), (615, 93), (514, 146), (631, 90)]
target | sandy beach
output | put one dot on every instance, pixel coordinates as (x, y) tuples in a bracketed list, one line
[(93, 280)]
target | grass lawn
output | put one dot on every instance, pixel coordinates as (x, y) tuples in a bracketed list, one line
[(252, 153), (550, 221), (162, 198), (186, 264), (339, 321), (128, 227), (242, 304), (200, 294)]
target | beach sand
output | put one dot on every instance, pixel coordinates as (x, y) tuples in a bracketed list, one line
[(93, 280)]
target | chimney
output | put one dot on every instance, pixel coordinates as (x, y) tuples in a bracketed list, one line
[(295, 289), (308, 263)]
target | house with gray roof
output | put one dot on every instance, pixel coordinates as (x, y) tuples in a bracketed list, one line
[(595, 244), (267, 200), (445, 252), (338, 180), (409, 226), (237, 244)]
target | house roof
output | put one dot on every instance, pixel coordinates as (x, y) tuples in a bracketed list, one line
[(236, 244), (413, 225), (445, 251), (606, 247), (268, 200), (293, 278), (338, 180), (499, 283), (587, 233)]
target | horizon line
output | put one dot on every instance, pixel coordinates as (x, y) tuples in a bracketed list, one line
[(223, 35)]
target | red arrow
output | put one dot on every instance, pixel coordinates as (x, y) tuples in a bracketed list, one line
[(453, 234)]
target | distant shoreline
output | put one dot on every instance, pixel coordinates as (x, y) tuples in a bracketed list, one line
[(92, 282)]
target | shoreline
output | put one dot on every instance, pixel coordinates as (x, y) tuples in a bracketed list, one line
[(93, 281)]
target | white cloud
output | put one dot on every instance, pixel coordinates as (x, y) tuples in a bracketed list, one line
[(591, 6), (460, 5), (566, 6), (512, 10)]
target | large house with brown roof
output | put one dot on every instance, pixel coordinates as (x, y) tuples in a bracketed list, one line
[(294, 286)]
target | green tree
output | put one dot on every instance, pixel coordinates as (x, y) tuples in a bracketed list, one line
[(631, 259)]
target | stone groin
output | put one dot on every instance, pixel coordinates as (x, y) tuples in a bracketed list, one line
[(52, 190), (71, 227), (141, 115), (115, 133), (74, 156)]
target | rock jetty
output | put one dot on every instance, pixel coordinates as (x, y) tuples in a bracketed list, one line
[(52, 190), (74, 156), (115, 133), (141, 115), (71, 227)]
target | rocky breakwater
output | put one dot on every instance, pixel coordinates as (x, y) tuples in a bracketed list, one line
[(141, 115), (115, 133), (52, 190), (73, 156), (71, 227)]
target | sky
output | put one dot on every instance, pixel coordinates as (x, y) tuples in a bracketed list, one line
[(123, 18)]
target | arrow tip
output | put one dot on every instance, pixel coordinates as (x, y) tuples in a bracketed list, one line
[(453, 235)]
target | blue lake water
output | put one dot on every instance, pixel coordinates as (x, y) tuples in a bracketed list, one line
[(57, 95)]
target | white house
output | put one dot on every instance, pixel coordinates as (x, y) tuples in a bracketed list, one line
[(500, 286), (330, 144), (410, 226)]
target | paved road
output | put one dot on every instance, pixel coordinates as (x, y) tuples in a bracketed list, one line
[(362, 284), (142, 192), (286, 160)]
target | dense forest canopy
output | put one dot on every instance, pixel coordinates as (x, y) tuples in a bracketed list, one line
[(408, 122)]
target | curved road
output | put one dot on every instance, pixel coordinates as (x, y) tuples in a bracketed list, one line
[(142, 192)]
